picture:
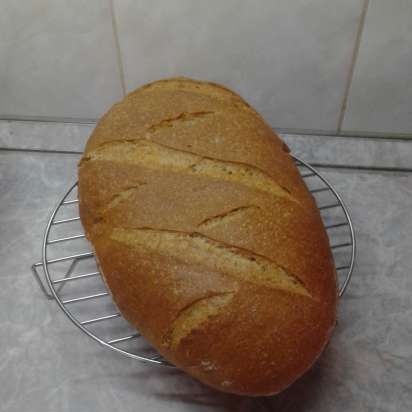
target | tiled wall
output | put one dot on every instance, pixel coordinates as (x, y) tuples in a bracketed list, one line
[(326, 66)]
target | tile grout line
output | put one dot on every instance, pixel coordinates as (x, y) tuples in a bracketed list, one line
[(49, 119), (389, 169), (394, 137), (46, 151), (401, 137), (117, 45), (354, 59), (279, 130)]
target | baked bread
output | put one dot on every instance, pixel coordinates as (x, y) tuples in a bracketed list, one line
[(207, 237)]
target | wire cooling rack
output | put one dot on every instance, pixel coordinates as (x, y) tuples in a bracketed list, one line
[(68, 272)]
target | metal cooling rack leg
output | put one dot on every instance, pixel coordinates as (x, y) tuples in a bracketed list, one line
[(36, 274), (68, 274)]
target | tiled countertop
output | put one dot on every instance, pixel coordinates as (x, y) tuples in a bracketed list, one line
[(46, 364)]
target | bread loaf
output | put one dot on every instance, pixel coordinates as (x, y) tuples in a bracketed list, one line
[(207, 237)]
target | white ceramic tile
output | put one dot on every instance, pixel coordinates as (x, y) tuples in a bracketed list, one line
[(57, 58), (27, 135), (350, 151), (288, 58), (380, 99)]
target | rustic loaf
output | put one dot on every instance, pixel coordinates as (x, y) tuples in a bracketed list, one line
[(207, 237)]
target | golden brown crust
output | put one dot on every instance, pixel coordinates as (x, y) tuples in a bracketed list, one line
[(207, 236)]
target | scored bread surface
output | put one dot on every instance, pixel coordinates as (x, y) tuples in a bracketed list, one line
[(208, 239)]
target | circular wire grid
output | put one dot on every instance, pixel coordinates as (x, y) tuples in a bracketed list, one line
[(74, 281)]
